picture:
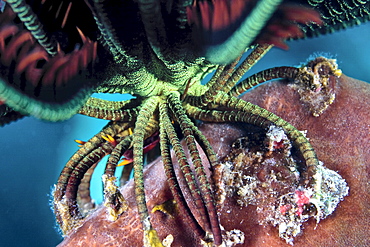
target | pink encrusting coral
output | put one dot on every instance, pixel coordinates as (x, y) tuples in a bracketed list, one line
[(302, 199), (293, 211)]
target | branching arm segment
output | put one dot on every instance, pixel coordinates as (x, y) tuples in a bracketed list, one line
[(168, 135)]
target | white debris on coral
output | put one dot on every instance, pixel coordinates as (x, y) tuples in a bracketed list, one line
[(304, 133), (247, 192), (271, 179), (232, 238), (329, 189), (286, 230), (276, 138), (167, 241), (322, 197)]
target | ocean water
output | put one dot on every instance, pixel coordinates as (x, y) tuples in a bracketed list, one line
[(33, 152)]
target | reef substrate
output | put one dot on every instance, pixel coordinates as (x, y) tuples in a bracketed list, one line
[(341, 138)]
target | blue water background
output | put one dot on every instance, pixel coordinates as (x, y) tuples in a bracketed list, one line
[(33, 152)]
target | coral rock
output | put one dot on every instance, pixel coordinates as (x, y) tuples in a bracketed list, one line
[(341, 138)]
